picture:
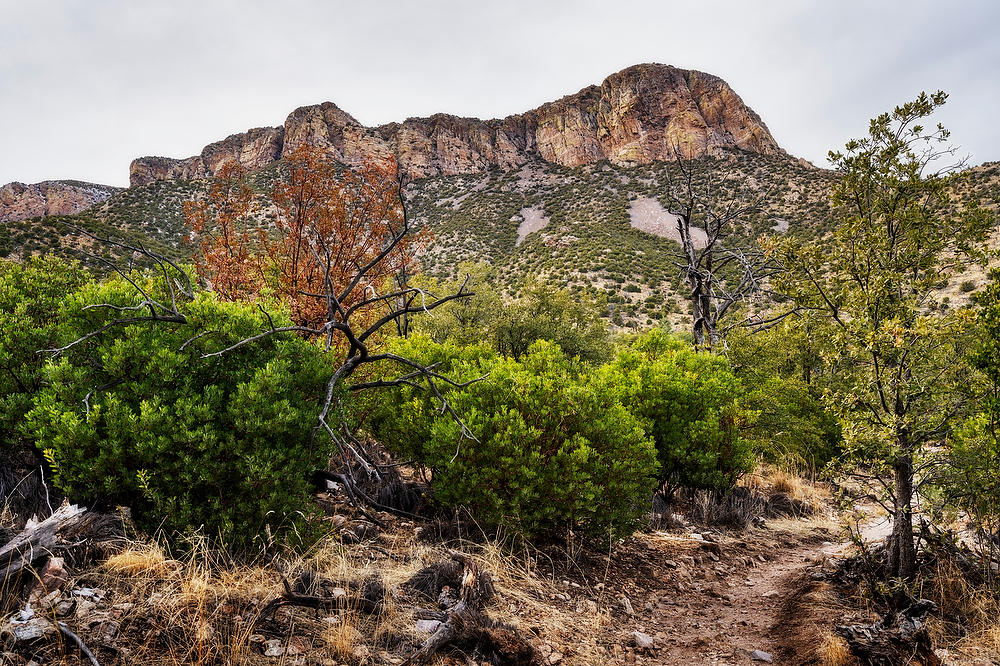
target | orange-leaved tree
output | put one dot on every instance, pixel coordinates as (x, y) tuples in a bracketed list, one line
[(327, 241)]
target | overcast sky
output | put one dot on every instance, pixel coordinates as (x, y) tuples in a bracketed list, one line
[(88, 85)]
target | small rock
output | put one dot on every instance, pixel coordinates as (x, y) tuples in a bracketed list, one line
[(642, 641), (428, 626), (274, 648), (54, 574), (760, 655), (91, 593), (770, 593), (628, 606), (554, 658), (711, 547), (697, 537), (63, 607), (84, 607), (31, 630), (364, 531)]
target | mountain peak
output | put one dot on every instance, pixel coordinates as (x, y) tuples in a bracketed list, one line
[(641, 114)]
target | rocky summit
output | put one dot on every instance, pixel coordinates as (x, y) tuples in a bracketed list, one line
[(638, 115)]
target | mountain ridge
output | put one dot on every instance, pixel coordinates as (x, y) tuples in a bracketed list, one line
[(640, 114), (19, 201)]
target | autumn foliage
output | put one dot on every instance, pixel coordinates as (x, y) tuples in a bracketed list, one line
[(329, 241)]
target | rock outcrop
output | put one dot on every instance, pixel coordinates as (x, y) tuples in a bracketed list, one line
[(253, 149), (51, 197), (641, 114)]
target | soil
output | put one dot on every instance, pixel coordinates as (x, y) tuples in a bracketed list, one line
[(709, 597), (717, 602)]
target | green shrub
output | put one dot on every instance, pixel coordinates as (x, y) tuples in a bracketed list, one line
[(30, 294), (690, 402), (553, 449), (136, 416)]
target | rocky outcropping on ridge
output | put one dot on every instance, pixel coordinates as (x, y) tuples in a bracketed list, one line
[(641, 114), (51, 197)]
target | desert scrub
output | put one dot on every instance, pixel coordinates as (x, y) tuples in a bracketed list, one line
[(546, 450), (139, 416), (689, 403)]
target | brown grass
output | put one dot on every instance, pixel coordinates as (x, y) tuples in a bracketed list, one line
[(200, 608), (969, 625), (834, 651)]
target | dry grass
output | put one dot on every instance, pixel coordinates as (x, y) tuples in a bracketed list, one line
[(200, 608), (774, 480), (970, 613), (834, 651)]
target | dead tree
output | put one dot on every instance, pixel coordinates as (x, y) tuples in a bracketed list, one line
[(722, 270)]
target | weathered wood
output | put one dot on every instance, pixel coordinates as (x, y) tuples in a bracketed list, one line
[(369, 599), (466, 622), (899, 638), (40, 539)]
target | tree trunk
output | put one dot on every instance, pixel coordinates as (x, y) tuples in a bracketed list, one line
[(703, 328), (902, 553)]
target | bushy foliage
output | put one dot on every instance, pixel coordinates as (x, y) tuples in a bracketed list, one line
[(973, 479), (545, 312), (784, 378), (690, 401), (30, 294), (541, 311), (139, 416), (552, 449)]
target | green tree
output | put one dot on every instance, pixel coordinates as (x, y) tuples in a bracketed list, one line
[(541, 447), (784, 378), (540, 311), (544, 312), (900, 363), (972, 480), (466, 321)]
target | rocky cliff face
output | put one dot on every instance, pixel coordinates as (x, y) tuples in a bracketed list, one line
[(253, 149), (52, 197), (640, 114)]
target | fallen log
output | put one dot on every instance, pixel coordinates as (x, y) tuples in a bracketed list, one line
[(71, 530), (40, 539), (899, 638), (465, 622)]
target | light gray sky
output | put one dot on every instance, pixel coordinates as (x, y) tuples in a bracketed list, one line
[(87, 85)]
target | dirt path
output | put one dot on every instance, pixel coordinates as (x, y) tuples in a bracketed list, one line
[(715, 603)]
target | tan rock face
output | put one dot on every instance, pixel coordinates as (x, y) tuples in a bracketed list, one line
[(253, 149), (52, 197), (641, 114)]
